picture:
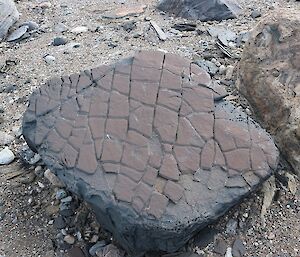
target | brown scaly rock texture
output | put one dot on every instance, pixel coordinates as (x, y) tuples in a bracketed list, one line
[(269, 77), (151, 145)]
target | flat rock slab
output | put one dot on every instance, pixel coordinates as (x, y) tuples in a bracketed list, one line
[(150, 145), (202, 10)]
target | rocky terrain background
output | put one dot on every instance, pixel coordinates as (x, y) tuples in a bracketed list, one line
[(69, 36)]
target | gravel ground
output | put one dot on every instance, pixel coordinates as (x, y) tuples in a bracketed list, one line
[(28, 210)]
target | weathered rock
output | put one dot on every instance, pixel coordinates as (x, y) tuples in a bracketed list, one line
[(269, 77), (150, 146), (8, 16), (6, 156), (203, 10)]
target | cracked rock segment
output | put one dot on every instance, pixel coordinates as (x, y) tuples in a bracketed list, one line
[(148, 148)]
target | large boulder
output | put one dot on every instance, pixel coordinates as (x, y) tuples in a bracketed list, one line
[(150, 146), (202, 10), (8, 16), (269, 77)]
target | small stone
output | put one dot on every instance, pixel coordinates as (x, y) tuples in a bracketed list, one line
[(49, 59), (79, 30), (6, 156), (45, 5), (220, 247), (58, 41), (59, 223), (129, 26), (229, 72), (53, 179), (228, 252), (94, 239), (60, 27), (41, 185), (161, 35), (238, 248), (69, 239), (17, 34), (60, 194), (97, 247), (31, 25), (5, 139), (271, 236), (231, 227), (255, 14), (67, 199), (222, 69), (208, 66)]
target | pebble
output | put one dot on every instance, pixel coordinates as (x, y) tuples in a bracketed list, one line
[(58, 41), (67, 199), (41, 185), (238, 248), (161, 34), (31, 25), (49, 59), (97, 247), (94, 239), (53, 179), (6, 156), (229, 72), (38, 171), (80, 29), (5, 139), (69, 239), (231, 227), (271, 236), (60, 27), (17, 34), (255, 14), (222, 69), (60, 194), (228, 252), (220, 246), (208, 66)]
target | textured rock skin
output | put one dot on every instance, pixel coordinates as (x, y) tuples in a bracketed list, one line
[(202, 10), (269, 77), (150, 145), (8, 16)]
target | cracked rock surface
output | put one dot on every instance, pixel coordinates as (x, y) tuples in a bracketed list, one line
[(150, 145)]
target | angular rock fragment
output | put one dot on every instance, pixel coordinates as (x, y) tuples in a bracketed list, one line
[(144, 143), (8, 16), (269, 77), (202, 10)]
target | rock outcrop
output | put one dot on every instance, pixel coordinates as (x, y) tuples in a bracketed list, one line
[(8, 16), (269, 77), (203, 10), (150, 145)]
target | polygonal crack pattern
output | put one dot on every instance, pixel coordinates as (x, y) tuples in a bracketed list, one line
[(143, 125)]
